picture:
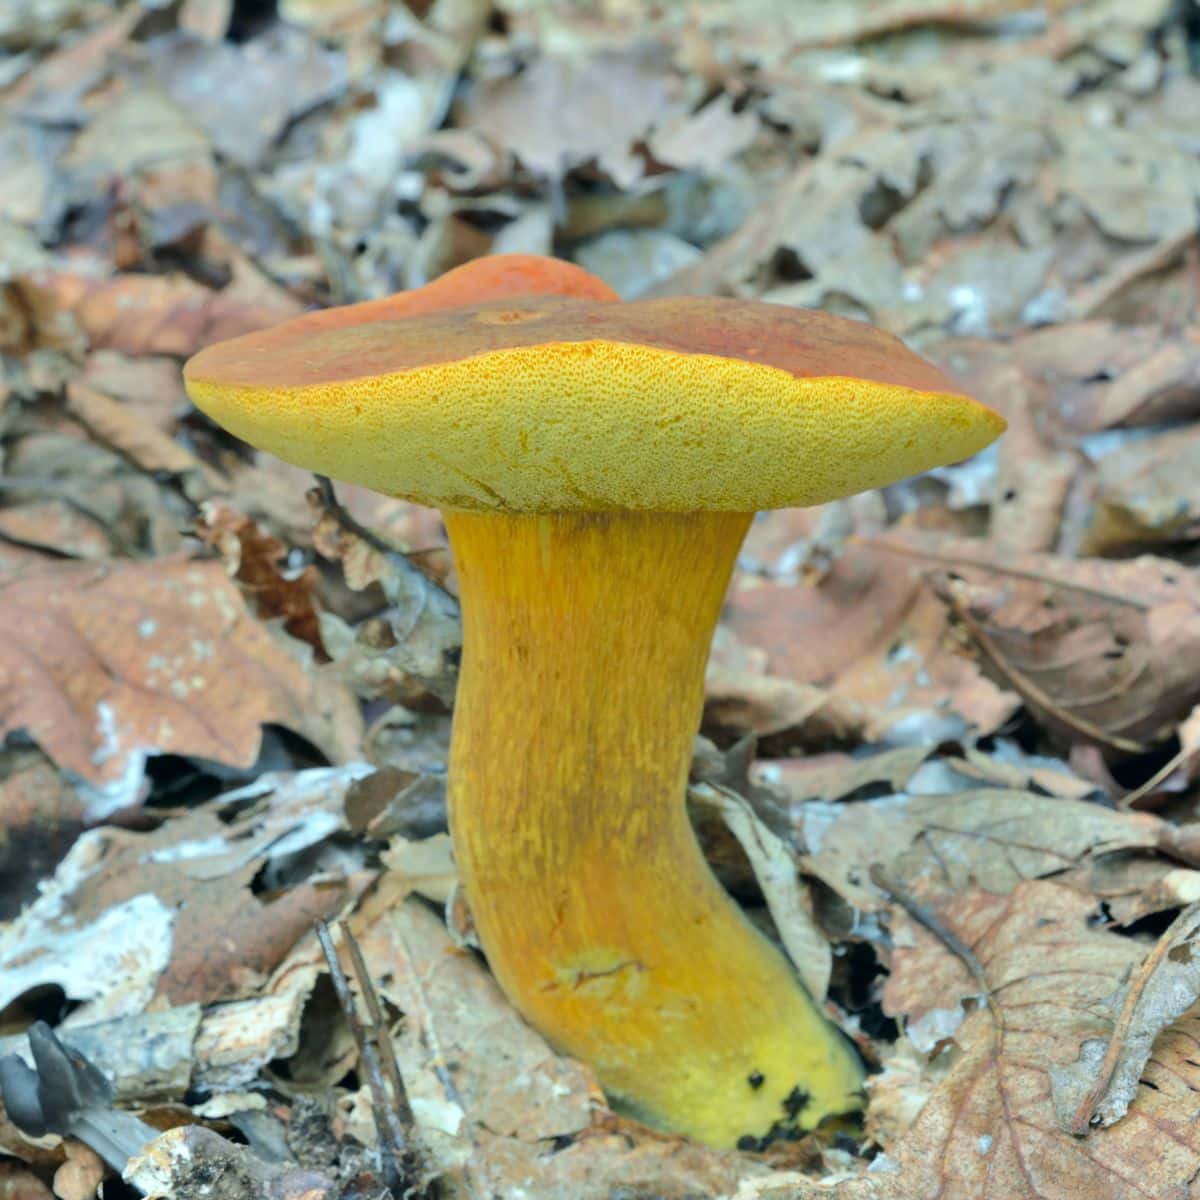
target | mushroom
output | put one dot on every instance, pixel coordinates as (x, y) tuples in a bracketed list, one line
[(597, 465)]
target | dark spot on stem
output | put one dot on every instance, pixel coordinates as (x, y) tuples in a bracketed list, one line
[(795, 1102)]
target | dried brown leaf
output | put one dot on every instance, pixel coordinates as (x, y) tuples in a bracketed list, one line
[(124, 428), (171, 913), (990, 1127), (258, 562), (794, 714), (58, 526), (873, 634), (1111, 377), (705, 140), (140, 128), (559, 113), (987, 838), (146, 314), (245, 94), (418, 637), (1145, 494), (836, 777), (152, 387), (1097, 1089), (105, 665), (1136, 885), (1102, 652)]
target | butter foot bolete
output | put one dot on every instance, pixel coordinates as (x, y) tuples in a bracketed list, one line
[(598, 464)]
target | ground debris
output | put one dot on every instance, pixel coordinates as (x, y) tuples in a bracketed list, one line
[(954, 725)]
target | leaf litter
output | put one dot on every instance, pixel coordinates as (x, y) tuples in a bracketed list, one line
[(951, 725)]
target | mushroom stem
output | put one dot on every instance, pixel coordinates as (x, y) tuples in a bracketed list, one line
[(585, 642)]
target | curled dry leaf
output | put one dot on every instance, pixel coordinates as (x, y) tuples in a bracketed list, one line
[(1102, 652), (1146, 494), (1098, 1088), (258, 562), (1136, 885), (105, 665), (774, 867), (838, 776), (419, 635), (126, 430), (794, 714), (1107, 376)]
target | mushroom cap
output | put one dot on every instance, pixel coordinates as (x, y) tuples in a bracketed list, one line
[(550, 403), (475, 282)]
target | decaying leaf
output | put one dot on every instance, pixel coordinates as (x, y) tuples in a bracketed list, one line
[(106, 665), (872, 633), (1097, 1089), (419, 636), (774, 868), (559, 113), (147, 314), (837, 777), (990, 838), (171, 914), (258, 561), (793, 714), (991, 1124), (1145, 494), (1101, 651)]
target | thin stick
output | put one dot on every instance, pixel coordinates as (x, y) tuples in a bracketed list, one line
[(395, 1151)]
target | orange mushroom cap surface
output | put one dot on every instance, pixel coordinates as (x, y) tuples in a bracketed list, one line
[(551, 403), (476, 282)]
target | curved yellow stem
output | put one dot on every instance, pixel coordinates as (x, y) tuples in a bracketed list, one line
[(585, 642)]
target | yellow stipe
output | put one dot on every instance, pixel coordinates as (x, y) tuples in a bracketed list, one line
[(585, 641)]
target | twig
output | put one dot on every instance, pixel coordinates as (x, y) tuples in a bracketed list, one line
[(1133, 800), (397, 1156), (386, 1050), (1081, 1121)]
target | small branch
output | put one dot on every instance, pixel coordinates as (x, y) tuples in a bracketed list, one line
[(399, 1163)]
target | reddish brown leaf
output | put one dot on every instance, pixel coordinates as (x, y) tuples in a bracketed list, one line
[(258, 562), (1103, 652), (104, 665), (149, 314)]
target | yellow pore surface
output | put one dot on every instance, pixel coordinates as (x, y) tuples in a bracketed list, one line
[(590, 425), (585, 640)]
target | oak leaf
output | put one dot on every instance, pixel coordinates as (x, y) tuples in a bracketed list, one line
[(103, 665)]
